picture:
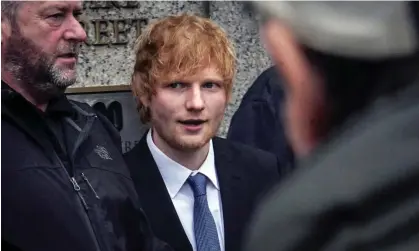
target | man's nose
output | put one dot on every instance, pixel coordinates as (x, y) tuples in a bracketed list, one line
[(75, 31), (195, 99)]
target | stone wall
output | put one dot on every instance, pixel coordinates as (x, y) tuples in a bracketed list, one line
[(112, 27)]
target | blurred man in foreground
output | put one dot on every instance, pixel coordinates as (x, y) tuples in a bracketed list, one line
[(352, 116)]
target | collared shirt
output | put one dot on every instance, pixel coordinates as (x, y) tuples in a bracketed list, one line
[(175, 175)]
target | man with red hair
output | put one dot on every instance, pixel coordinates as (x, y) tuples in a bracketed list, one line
[(198, 190)]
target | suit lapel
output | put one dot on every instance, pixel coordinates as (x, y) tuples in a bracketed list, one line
[(155, 199), (232, 194)]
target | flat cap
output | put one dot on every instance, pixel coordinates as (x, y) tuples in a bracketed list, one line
[(370, 30)]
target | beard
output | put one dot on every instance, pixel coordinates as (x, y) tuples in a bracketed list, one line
[(32, 66)]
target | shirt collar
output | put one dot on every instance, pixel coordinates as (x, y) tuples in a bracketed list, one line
[(174, 174)]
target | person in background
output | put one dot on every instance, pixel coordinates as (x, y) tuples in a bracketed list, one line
[(65, 185), (258, 121), (352, 118), (201, 189)]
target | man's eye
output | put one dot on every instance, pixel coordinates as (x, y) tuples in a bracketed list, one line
[(210, 85), (57, 16), (177, 85)]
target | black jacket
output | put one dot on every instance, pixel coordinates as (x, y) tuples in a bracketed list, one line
[(258, 120), (79, 199), (244, 174)]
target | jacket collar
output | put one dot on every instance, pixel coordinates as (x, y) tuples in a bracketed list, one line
[(59, 106)]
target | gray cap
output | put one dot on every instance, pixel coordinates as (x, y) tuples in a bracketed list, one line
[(370, 30)]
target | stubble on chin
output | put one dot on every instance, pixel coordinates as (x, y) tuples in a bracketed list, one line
[(187, 143)]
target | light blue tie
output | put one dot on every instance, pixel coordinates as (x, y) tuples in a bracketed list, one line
[(204, 225)]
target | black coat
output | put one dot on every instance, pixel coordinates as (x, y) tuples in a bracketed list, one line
[(244, 174), (258, 121), (85, 201)]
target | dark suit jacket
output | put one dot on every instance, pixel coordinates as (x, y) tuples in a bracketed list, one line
[(244, 175)]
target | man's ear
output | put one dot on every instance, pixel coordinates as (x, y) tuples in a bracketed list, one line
[(305, 96), (286, 54), (145, 101), (6, 29)]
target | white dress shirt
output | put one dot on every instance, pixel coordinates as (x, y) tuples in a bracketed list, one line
[(175, 175)]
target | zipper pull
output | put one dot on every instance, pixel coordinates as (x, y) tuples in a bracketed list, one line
[(75, 185), (90, 185), (77, 188)]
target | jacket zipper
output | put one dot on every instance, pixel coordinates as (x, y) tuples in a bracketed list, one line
[(83, 135), (73, 181), (76, 187)]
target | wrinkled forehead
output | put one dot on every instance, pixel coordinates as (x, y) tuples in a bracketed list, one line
[(39, 6)]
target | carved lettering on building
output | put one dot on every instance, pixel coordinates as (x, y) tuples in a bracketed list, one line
[(111, 31)]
